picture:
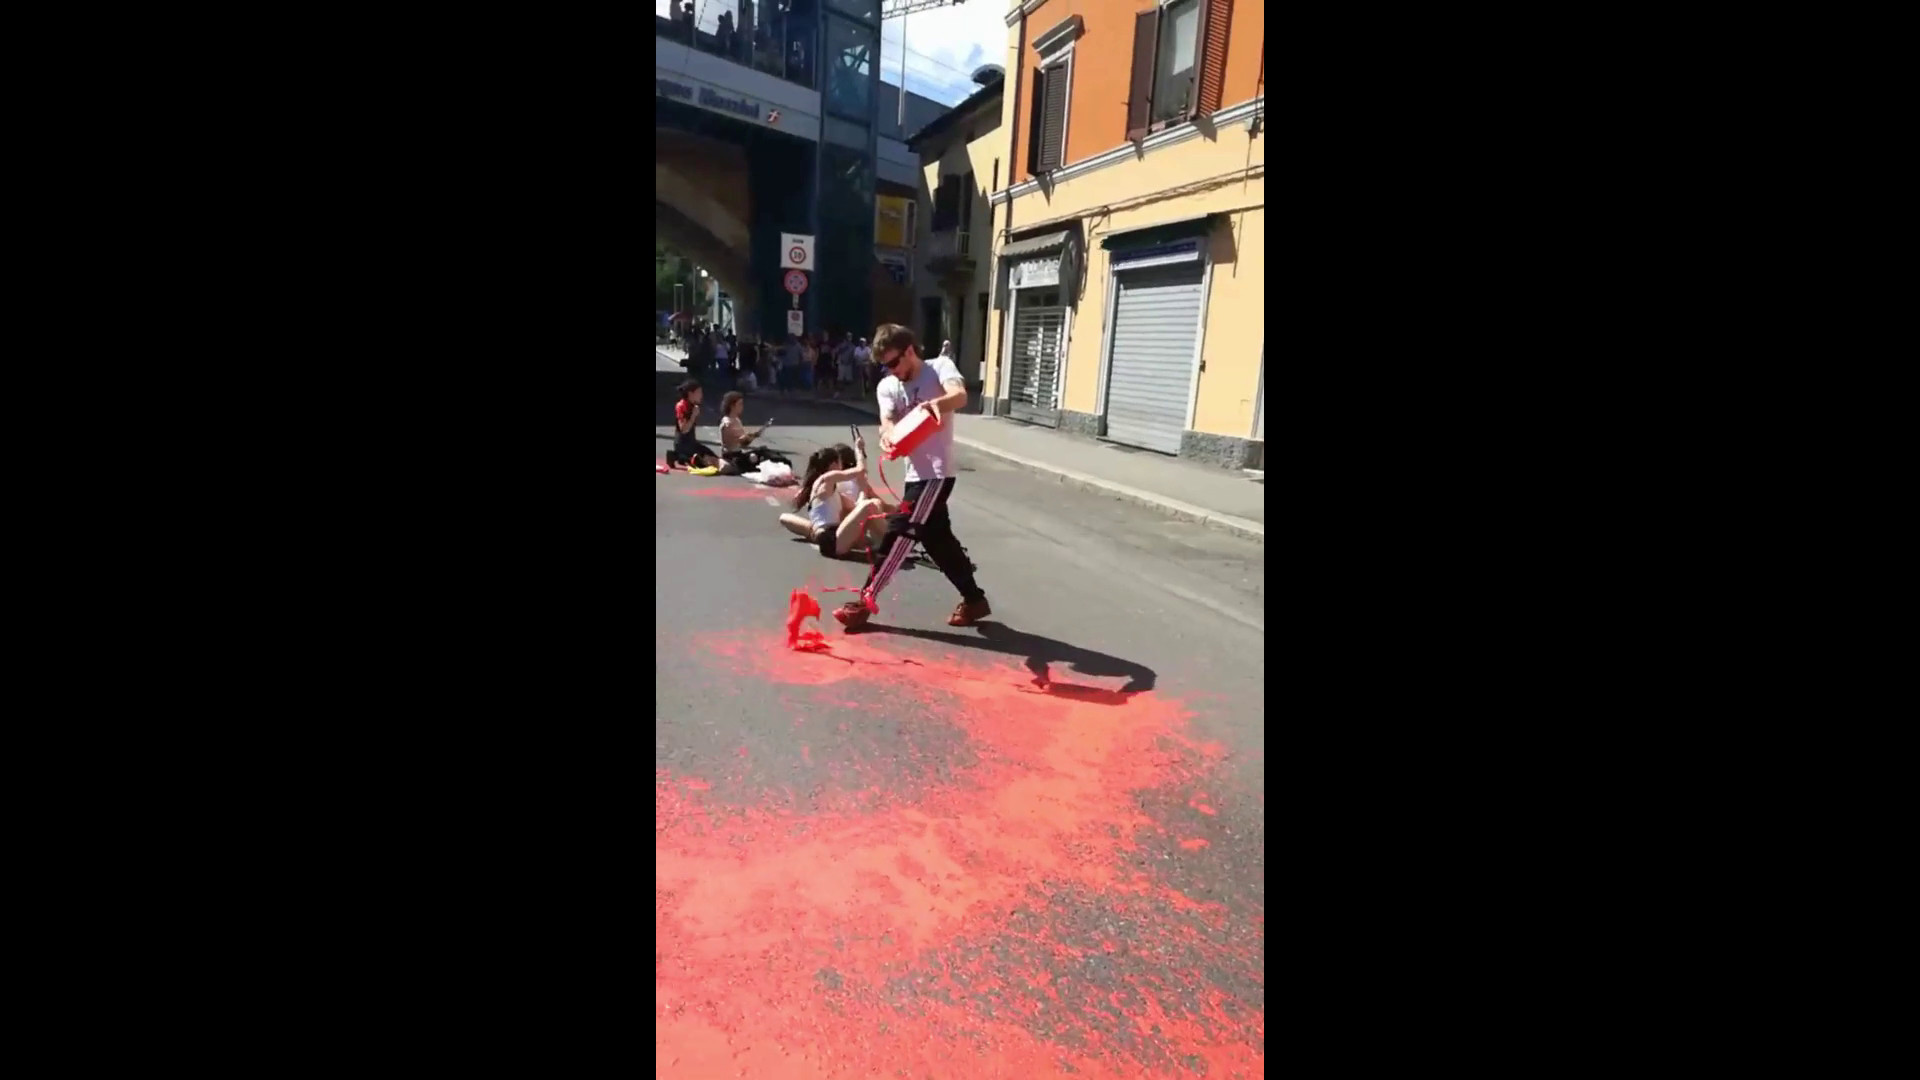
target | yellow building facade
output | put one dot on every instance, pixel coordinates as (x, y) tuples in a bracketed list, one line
[(1129, 265)]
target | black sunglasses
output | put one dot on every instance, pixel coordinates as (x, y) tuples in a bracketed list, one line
[(887, 362)]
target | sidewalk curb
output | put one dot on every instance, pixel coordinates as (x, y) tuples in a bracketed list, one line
[(1174, 508)]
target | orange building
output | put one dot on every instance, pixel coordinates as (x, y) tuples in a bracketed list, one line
[(1129, 238)]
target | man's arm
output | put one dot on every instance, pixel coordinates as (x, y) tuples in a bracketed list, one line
[(953, 400), (955, 397), (887, 416)]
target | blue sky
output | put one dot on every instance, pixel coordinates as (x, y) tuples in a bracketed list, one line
[(944, 46)]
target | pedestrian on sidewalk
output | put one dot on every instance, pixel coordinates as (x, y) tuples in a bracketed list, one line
[(912, 382), (825, 369), (843, 360)]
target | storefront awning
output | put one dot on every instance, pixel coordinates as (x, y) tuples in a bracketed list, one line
[(1034, 245), (1158, 231)]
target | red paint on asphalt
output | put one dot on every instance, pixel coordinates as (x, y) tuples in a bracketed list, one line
[(952, 933), (725, 492)]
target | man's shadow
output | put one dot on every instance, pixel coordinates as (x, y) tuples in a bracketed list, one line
[(1041, 654)]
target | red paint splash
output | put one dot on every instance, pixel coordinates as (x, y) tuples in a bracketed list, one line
[(1008, 918), (800, 607)]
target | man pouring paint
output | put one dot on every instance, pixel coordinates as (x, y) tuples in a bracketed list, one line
[(918, 398)]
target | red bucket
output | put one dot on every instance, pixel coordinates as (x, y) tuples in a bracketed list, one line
[(912, 430)]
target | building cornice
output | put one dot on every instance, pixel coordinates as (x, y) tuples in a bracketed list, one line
[(1021, 11), (1125, 151), (1067, 31)]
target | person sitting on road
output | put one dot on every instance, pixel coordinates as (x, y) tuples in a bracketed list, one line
[(736, 440), (833, 526), (852, 491), (688, 450)]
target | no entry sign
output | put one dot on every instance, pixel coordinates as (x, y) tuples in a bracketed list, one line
[(796, 251), (796, 282)]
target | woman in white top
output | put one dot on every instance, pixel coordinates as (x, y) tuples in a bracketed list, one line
[(737, 451), (834, 521)]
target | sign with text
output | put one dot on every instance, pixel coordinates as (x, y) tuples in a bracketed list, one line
[(706, 97), (892, 221), (1158, 255), (796, 322), (796, 251), (1034, 273)]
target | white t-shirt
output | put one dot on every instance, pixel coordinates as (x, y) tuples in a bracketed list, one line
[(932, 459)]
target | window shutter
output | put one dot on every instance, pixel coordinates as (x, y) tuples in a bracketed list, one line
[(946, 204), (1033, 123), (1146, 41), (1210, 67), (1053, 130)]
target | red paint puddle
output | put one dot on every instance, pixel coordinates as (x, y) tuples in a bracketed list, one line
[(950, 934), (725, 492)]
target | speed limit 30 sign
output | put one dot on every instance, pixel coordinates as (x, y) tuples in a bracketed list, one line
[(796, 251)]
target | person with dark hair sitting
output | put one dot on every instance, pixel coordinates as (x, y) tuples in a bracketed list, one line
[(688, 450), (736, 441), (835, 521)]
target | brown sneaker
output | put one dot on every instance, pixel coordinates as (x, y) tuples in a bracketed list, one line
[(969, 612), (852, 614)]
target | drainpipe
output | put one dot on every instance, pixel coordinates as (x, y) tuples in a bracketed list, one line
[(1019, 76)]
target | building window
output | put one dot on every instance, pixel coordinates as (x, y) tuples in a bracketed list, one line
[(1047, 142), (951, 202), (1174, 68), (1047, 125), (850, 49), (1179, 63)]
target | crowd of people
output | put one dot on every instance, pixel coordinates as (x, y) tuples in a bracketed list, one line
[(835, 505), (768, 36), (817, 362)]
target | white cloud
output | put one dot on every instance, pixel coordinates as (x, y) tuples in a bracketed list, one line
[(944, 46)]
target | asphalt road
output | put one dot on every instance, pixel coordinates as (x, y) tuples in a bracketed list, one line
[(1030, 848)]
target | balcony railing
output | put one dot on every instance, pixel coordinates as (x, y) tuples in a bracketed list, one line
[(758, 35), (949, 244)]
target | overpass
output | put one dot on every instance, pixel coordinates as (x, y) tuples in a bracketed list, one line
[(748, 146)]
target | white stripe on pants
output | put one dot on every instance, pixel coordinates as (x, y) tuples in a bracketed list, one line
[(903, 543)]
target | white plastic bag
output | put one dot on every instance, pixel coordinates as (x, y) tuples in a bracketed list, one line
[(772, 474)]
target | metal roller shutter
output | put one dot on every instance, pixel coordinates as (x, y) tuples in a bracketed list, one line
[(1156, 322), (1033, 370)]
